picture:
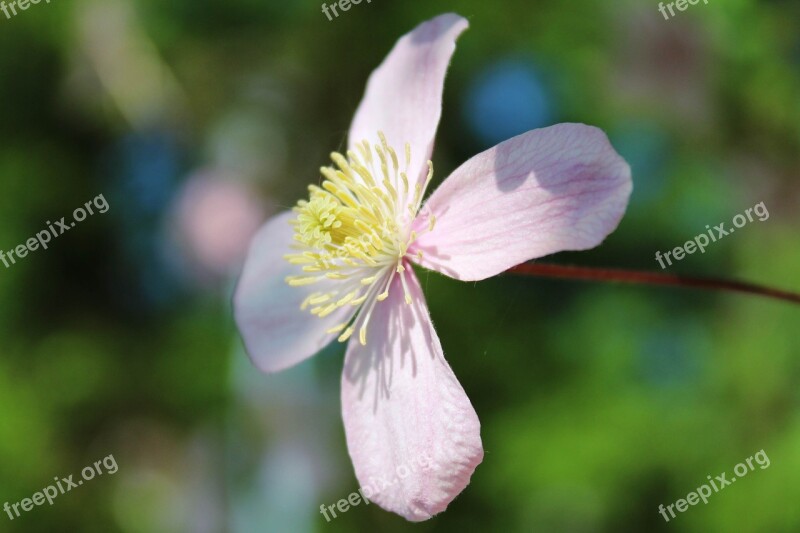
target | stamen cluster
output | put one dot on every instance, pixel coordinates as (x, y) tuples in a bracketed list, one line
[(355, 230)]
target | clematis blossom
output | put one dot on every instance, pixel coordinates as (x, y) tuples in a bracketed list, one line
[(339, 266)]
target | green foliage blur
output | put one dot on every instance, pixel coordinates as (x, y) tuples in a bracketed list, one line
[(598, 403)]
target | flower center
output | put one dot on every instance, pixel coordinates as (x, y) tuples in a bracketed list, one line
[(355, 230)]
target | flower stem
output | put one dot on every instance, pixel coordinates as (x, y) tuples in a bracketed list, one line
[(651, 278)]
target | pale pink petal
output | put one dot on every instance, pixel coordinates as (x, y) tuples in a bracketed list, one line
[(412, 433), (548, 190), (404, 94), (276, 333)]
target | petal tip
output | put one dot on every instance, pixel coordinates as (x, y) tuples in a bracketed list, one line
[(422, 507)]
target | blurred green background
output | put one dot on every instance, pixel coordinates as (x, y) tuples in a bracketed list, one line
[(198, 119)]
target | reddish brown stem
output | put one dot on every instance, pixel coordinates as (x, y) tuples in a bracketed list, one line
[(652, 278)]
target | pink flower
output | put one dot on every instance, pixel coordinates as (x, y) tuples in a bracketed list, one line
[(216, 217), (340, 265)]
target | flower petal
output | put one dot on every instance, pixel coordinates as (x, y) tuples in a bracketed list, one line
[(404, 94), (412, 433), (545, 191), (276, 333)]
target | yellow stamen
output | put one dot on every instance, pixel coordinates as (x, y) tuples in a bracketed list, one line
[(353, 232)]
